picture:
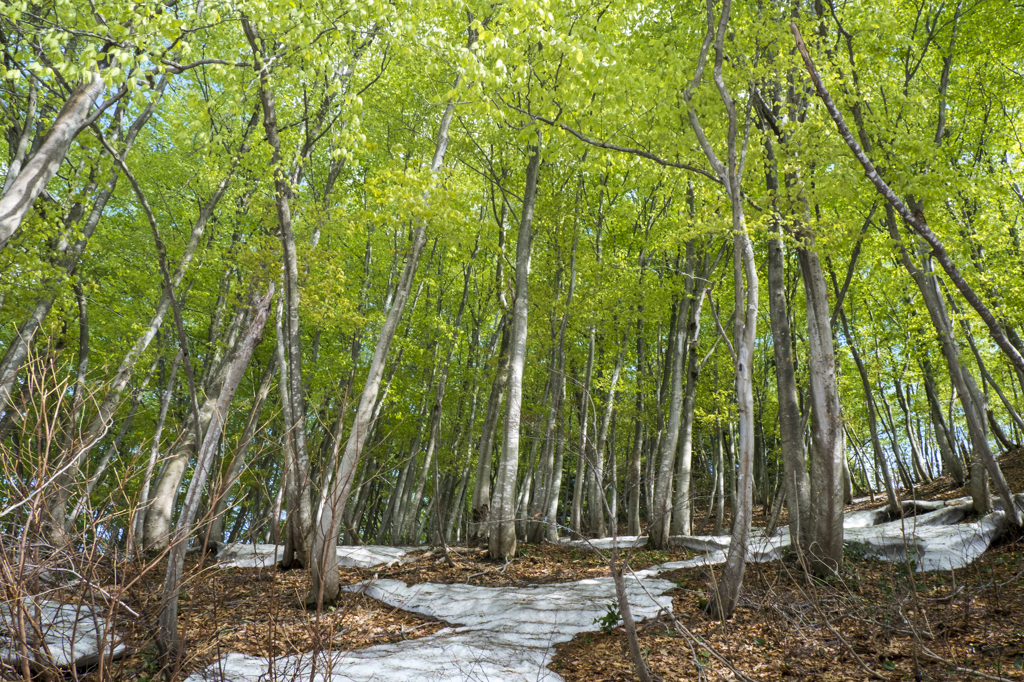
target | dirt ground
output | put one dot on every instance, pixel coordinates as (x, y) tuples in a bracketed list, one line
[(875, 620)]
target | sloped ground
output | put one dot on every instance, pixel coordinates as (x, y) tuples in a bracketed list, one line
[(897, 622), (875, 620), (474, 619)]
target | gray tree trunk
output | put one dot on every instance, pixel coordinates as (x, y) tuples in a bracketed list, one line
[(167, 633), (20, 194), (827, 435), (659, 525), (576, 511), (502, 530), (222, 490), (598, 520), (798, 485), (481, 503)]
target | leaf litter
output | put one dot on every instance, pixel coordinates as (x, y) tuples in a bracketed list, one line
[(873, 620)]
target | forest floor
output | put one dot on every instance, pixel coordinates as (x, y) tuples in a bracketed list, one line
[(875, 619)]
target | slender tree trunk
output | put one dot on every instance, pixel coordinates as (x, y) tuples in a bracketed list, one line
[(20, 194), (157, 529), (798, 493), (502, 532), (598, 522), (154, 452), (222, 489), (744, 335), (682, 506), (167, 634), (297, 498), (576, 511), (324, 558), (661, 515), (951, 463), (481, 504)]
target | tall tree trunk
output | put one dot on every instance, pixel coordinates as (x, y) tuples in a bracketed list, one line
[(745, 328), (502, 532), (827, 435), (324, 558), (682, 507), (598, 520), (798, 486), (481, 504), (661, 514), (222, 489), (154, 452), (576, 511), (299, 523)]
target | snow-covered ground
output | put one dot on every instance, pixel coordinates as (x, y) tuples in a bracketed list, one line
[(73, 634), (498, 633), (509, 634), (366, 556)]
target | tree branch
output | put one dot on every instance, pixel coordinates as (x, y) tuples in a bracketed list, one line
[(915, 220)]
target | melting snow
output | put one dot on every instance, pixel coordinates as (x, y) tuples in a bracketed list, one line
[(504, 633), (367, 556), (73, 634)]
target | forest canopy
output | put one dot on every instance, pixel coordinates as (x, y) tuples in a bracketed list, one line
[(419, 272)]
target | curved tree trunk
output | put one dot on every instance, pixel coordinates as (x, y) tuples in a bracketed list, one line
[(21, 193), (167, 632)]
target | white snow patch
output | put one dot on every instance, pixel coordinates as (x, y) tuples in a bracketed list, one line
[(933, 547), (622, 542), (503, 633), (509, 633), (73, 635), (262, 556)]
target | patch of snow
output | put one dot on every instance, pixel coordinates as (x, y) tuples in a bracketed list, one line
[(507, 633), (622, 541), (865, 518), (932, 547), (503, 633), (262, 556), (73, 635)]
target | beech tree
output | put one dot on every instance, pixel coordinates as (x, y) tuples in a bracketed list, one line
[(500, 236)]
